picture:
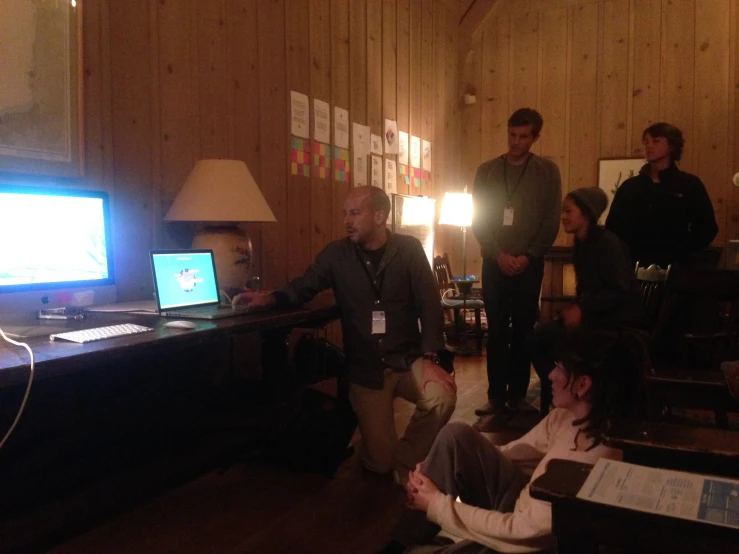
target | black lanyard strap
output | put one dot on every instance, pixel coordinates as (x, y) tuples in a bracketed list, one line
[(505, 176)]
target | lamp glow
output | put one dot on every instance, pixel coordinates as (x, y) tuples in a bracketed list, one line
[(456, 209)]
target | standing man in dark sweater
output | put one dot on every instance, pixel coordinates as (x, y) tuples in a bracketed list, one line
[(664, 215), (516, 200)]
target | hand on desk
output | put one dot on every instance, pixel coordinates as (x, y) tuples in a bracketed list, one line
[(254, 300)]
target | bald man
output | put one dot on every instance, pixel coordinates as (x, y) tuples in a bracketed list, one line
[(383, 286)]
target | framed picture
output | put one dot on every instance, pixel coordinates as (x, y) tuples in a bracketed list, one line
[(41, 88), (614, 171)]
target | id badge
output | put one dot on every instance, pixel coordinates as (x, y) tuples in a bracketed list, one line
[(508, 216), (378, 323)]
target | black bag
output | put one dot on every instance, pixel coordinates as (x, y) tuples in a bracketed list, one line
[(315, 437)]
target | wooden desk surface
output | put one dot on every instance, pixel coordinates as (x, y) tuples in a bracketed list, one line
[(60, 358), (581, 525)]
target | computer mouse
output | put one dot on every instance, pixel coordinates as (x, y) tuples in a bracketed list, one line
[(180, 324)]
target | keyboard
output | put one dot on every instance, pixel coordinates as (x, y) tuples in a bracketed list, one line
[(101, 333)]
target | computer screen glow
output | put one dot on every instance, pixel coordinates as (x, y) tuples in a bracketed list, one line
[(53, 238)]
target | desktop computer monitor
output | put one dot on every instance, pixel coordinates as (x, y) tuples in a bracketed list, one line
[(56, 248)]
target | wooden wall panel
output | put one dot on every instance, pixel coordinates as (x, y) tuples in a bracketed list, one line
[(320, 87), (403, 76), (614, 61), (243, 61), (132, 135), (340, 95), (273, 133), (169, 82), (678, 70), (712, 88), (583, 96), (609, 68), (299, 187), (646, 40)]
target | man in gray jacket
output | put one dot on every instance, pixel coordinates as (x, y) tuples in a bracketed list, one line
[(516, 198)]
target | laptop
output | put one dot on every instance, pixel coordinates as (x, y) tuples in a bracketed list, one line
[(186, 285)]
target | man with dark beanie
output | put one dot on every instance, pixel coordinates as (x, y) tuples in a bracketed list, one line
[(516, 200), (607, 291), (664, 215)]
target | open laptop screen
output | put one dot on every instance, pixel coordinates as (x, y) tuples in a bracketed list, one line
[(184, 278)]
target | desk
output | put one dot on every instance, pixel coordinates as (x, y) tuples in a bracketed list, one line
[(580, 526), (100, 408)]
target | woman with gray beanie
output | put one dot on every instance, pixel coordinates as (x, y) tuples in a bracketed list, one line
[(607, 291)]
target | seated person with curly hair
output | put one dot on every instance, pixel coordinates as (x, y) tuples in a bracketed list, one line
[(598, 378)]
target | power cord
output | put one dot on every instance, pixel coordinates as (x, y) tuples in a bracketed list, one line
[(28, 387)]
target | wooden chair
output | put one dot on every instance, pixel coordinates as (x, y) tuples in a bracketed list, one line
[(697, 329), (451, 299), (652, 282)]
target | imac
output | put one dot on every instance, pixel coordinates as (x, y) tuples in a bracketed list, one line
[(56, 248)]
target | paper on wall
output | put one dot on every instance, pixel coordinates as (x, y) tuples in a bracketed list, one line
[(376, 171), (360, 139), (426, 155), (391, 177), (391, 137), (415, 151), (321, 121), (376, 144), (299, 115), (341, 127), (360, 170), (403, 148)]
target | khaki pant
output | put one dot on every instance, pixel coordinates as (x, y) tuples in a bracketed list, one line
[(382, 451)]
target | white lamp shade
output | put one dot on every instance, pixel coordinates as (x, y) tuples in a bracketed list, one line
[(220, 191), (456, 209)]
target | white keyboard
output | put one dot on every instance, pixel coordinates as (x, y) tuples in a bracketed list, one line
[(101, 333)]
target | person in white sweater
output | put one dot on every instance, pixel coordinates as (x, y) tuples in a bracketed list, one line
[(598, 377)]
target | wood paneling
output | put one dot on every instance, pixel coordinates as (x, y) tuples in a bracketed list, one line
[(606, 70), (170, 82)]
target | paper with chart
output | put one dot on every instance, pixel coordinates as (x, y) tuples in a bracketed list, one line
[(678, 494), (341, 127), (403, 148), (299, 115), (391, 177), (415, 151), (321, 121), (376, 171)]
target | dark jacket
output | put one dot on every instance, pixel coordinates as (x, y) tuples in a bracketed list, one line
[(665, 222), (407, 293), (607, 291)]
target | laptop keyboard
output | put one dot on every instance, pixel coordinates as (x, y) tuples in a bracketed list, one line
[(101, 333)]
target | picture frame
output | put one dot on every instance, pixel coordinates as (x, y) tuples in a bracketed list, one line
[(41, 104), (612, 172)]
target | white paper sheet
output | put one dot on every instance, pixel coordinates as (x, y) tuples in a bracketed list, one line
[(376, 144), (341, 127), (664, 492), (376, 173), (359, 171), (415, 151), (360, 139), (391, 137), (299, 115), (403, 148), (426, 155), (391, 177), (321, 121)]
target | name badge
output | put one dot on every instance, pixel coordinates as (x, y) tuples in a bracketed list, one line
[(508, 216), (378, 323)]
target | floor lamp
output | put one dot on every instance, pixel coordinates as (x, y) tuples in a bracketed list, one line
[(456, 209)]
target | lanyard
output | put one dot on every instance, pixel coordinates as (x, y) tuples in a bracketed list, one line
[(505, 177), (376, 287)]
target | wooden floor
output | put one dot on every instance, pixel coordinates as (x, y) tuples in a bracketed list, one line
[(253, 508)]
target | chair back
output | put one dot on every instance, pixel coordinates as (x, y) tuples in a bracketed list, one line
[(699, 321), (652, 281), (443, 273)]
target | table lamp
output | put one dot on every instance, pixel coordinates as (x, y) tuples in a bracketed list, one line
[(221, 194), (456, 209)]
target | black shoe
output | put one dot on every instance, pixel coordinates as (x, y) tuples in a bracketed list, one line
[(491, 407), (520, 405)]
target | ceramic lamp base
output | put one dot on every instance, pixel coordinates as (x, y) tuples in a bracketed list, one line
[(233, 253)]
